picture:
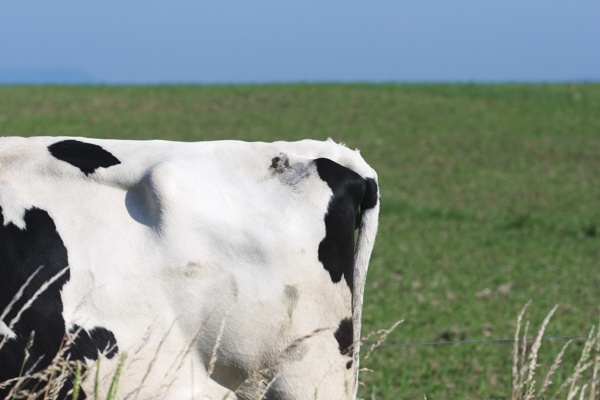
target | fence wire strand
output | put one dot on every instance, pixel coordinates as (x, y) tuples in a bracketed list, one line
[(472, 341)]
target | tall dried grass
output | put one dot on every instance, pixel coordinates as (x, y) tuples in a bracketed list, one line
[(525, 366), (582, 383)]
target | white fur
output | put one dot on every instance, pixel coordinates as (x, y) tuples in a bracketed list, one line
[(183, 246), (6, 331)]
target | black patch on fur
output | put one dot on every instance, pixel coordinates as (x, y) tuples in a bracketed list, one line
[(90, 344), (336, 250), (85, 156), (22, 252), (344, 335)]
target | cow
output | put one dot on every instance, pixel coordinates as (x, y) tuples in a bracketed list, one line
[(191, 270)]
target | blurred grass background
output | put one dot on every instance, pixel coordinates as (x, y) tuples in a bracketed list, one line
[(490, 197)]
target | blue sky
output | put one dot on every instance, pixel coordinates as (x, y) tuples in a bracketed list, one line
[(149, 41)]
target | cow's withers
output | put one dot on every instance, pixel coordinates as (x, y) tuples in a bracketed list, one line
[(225, 262)]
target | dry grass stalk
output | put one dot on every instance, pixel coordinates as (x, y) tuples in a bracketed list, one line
[(519, 357), (48, 382), (516, 367), (51, 379), (382, 336), (582, 394), (181, 357), (594, 383), (525, 364), (547, 380), (20, 292), (150, 366), (33, 298), (595, 373), (582, 365), (533, 355), (60, 369), (213, 355), (256, 386), (524, 384), (571, 395), (16, 298)]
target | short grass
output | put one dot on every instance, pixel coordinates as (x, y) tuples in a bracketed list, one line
[(491, 197)]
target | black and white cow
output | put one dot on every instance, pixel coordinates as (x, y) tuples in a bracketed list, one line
[(230, 259)]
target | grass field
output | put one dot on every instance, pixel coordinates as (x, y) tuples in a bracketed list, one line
[(490, 197)]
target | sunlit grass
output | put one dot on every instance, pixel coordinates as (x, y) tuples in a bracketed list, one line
[(490, 198)]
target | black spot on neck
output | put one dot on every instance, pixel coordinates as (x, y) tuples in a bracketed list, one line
[(85, 156), (336, 250)]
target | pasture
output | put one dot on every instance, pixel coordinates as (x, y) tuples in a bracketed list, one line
[(490, 198)]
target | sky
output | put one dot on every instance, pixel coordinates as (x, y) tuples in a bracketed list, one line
[(264, 41)]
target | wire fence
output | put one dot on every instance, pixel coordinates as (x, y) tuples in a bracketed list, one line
[(471, 341)]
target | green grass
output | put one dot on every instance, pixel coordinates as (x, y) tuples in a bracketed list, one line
[(483, 186)]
